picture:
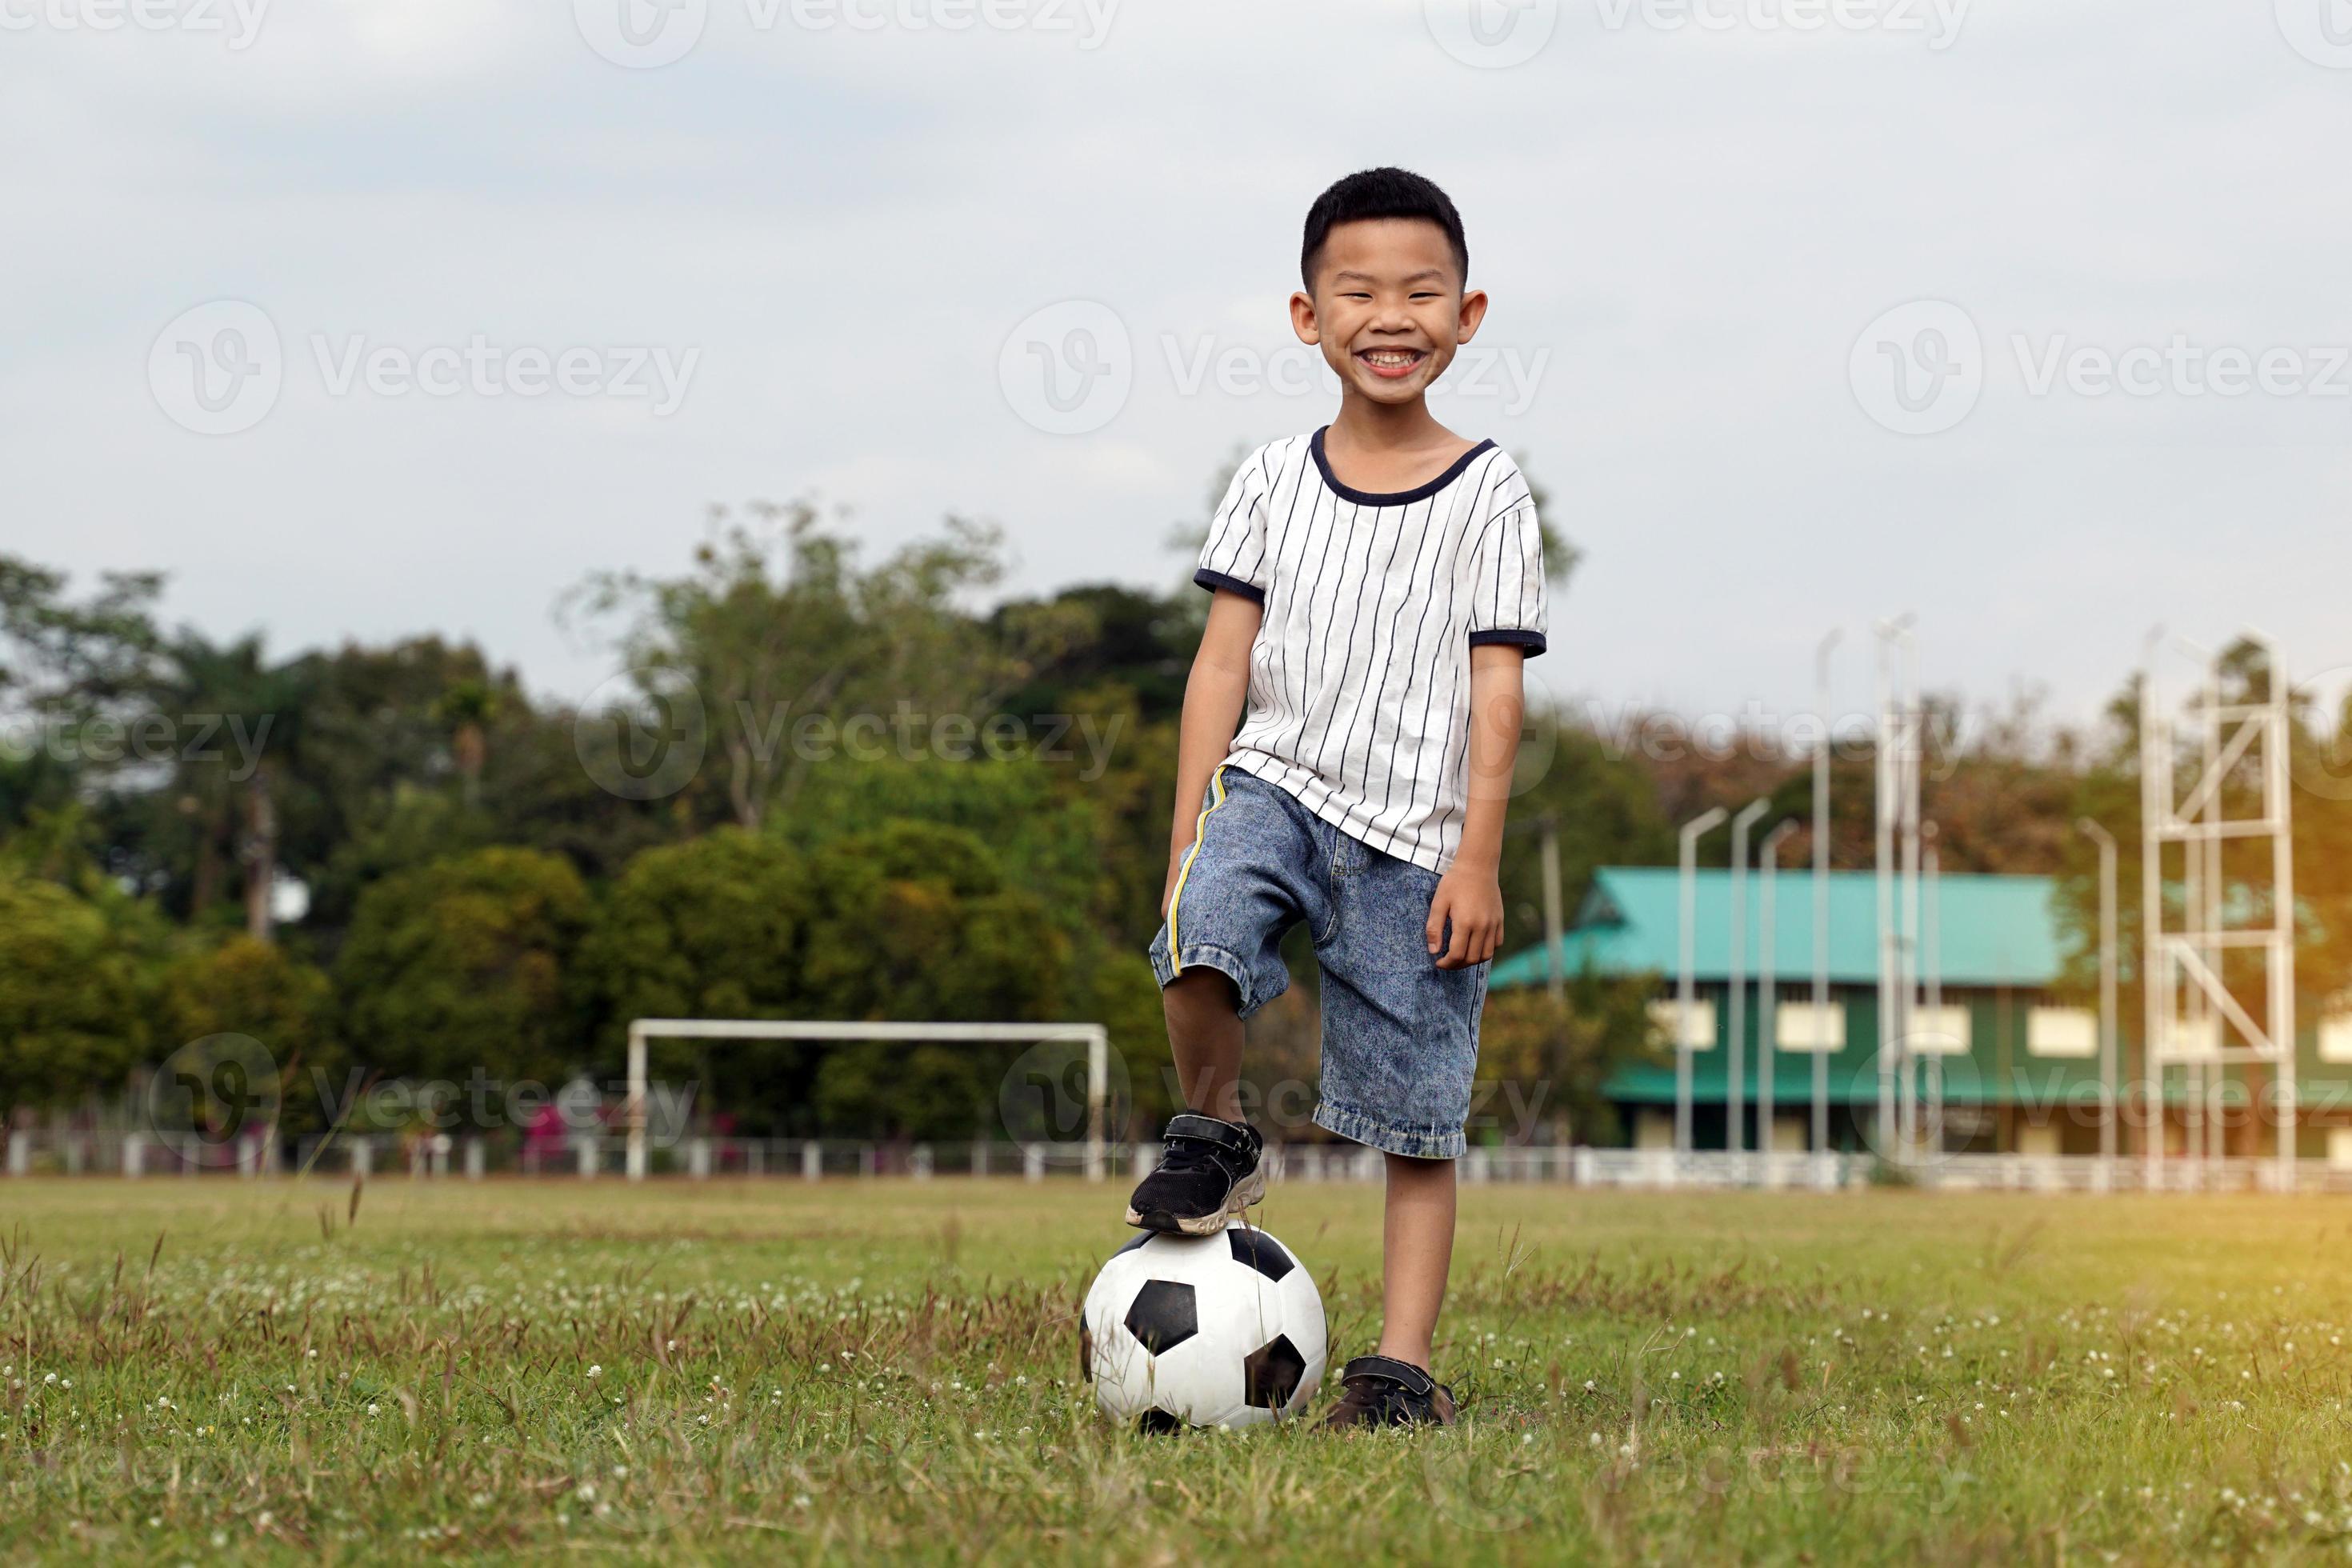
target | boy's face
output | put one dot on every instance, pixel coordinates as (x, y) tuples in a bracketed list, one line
[(1387, 310)]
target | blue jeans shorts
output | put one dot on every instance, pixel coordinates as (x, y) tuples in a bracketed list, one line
[(1400, 1034)]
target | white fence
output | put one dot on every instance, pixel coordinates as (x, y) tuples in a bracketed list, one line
[(49, 1151)]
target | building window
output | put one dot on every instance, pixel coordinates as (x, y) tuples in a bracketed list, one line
[(1939, 1031), (1802, 1026), (1665, 1015), (2062, 1032)]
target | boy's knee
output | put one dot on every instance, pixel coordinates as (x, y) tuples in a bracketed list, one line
[(1201, 996)]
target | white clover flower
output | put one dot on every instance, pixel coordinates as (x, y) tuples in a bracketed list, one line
[(595, 1371)]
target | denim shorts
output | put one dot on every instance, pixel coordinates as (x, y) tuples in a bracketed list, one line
[(1400, 1034)]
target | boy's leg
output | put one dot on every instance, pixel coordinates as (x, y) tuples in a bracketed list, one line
[(1400, 1047), (1417, 1249), (1246, 881), (1204, 1034)]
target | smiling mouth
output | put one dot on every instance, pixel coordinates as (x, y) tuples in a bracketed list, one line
[(1392, 365)]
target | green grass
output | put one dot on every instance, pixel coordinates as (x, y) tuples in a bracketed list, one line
[(775, 1370)]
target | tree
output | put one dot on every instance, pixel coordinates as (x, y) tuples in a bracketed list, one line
[(246, 987), (71, 992), (461, 966), (1551, 1060), (776, 629), (713, 928), (916, 923)]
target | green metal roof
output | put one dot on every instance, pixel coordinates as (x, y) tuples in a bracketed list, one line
[(1992, 930)]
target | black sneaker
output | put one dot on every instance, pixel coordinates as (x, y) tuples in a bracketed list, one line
[(1210, 1169), (1381, 1391)]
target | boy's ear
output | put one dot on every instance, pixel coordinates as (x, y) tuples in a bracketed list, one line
[(1473, 310), (1303, 322)]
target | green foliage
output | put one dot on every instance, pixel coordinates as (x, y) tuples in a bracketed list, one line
[(462, 965), (70, 992), (246, 986), (1550, 1059)]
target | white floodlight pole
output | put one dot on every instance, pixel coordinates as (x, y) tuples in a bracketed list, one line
[(1890, 982), (2155, 964), (1914, 740), (1766, 1000), (1735, 1086), (1821, 900), (1931, 966), (2200, 914), (2278, 810), (1686, 985), (2107, 1002)]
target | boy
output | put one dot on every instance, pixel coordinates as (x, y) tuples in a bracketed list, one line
[(1379, 585)]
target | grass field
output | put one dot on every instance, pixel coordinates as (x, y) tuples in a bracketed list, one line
[(208, 1371)]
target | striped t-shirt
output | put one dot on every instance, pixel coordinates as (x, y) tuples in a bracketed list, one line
[(1360, 679)]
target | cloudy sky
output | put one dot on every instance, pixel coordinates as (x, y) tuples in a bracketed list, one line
[(363, 318)]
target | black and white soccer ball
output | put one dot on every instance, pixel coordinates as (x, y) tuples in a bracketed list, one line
[(1209, 1331)]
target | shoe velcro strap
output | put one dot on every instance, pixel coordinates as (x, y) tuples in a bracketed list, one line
[(1401, 1372), (1208, 1130)]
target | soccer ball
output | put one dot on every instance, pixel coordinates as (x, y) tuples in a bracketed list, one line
[(1207, 1331)]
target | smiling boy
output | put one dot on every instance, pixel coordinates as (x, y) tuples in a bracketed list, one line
[(1379, 585)]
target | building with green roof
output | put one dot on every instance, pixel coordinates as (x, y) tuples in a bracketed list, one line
[(2016, 1048)]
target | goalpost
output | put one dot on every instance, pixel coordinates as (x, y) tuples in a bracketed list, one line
[(1094, 1036)]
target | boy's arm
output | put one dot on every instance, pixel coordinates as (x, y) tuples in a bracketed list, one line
[(1214, 694), (1470, 894)]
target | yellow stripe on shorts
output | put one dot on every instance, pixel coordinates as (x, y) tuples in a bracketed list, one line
[(1200, 828)]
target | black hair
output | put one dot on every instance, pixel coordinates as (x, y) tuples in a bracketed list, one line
[(1381, 192)]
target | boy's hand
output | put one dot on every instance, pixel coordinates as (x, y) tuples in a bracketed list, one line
[(1471, 901)]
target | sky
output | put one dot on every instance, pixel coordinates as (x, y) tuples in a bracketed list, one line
[(363, 318)]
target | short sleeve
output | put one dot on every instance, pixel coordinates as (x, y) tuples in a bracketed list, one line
[(1234, 559), (1507, 601)]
